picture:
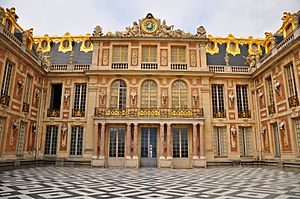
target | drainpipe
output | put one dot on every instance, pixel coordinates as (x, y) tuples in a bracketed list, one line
[(258, 123)]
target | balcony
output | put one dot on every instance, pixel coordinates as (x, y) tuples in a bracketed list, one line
[(78, 112), (25, 107), (244, 114), (293, 101), (271, 109), (4, 99), (119, 66), (149, 66), (178, 66), (229, 69), (148, 113), (69, 67), (53, 112), (219, 114)]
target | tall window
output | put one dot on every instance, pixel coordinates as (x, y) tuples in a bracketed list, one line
[(55, 99), (180, 143), (297, 123), (6, 79), (149, 94), (245, 141), (76, 140), (218, 101), (270, 92), (220, 141), (80, 97), (21, 139), (291, 80), (118, 94), (149, 54), (27, 89), (179, 94), (242, 100), (51, 140), (178, 54), (276, 140), (117, 142), (120, 54)]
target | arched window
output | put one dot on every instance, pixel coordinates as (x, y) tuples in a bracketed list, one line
[(149, 94), (118, 94), (179, 94)]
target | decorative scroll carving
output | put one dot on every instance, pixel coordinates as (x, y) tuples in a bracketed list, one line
[(252, 60), (134, 57), (102, 95), (105, 57), (195, 97), (164, 57), (164, 95), (193, 58)]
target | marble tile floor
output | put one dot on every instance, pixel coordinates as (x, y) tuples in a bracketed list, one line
[(88, 183)]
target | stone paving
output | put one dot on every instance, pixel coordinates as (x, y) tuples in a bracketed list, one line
[(79, 182)]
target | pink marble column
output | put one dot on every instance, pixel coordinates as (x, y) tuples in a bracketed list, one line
[(102, 139), (169, 154), (128, 141), (135, 140), (194, 141), (201, 141), (95, 137), (162, 140)]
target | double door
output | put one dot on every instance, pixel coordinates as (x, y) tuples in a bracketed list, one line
[(148, 147)]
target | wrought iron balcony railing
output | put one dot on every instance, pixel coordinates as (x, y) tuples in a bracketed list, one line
[(293, 101), (149, 113), (4, 100), (53, 112), (244, 114), (78, 112), (271, 109), (25, 107), (219, 114)]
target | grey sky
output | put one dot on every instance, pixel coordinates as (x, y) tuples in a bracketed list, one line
[(242, 18)]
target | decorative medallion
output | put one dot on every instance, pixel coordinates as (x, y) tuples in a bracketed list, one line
[(149, 26)]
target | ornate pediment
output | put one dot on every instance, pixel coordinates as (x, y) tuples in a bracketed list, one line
[(151, 27)]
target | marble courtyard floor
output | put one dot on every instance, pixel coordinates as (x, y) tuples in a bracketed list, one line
[(85, 182)]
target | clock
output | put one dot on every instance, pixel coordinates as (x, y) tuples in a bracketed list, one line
[(149, 26)]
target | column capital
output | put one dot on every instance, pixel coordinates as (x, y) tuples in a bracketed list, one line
[(135, 124), (201, 124), (195, 124), (128, 124)]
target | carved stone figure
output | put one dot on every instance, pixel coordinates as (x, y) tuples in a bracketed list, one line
[(37, 94), (233, 136), (26, 35), (97, 31), (133, 97), (102, 95), (226, 58), (66, 96), (164, 96), (231, 98), (195, 97), (201, 32)]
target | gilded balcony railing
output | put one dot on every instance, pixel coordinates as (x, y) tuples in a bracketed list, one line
[(4, 100), (78, 112), (244, 114), (149, 113), (271, 109), (25, 107), (219, 114), (293, 101), (53, 112)]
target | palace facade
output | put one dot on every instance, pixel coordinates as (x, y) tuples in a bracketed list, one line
[(149, 96)]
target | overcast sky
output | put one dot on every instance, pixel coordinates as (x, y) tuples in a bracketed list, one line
[(242, 18)]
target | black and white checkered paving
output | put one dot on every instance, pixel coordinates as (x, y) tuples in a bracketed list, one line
[(69, 182)]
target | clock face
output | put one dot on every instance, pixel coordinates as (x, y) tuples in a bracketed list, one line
[(149, 26)]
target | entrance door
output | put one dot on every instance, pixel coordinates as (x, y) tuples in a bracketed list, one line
[(148, 147), (276, 140)]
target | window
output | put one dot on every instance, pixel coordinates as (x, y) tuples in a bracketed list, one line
[(118, 94), (245, 141), (220, 141), (291, 84), (149, 54), (76, 141), (55, 100), (179, 94), (44, 44), (120, 54), (79, 100), (271, 102), (6, 79), (297, 123), (66, 43), (27, 89), (51, 140), (178, 54), (242, 101), (87, 43), (1, 131), (117, 142), (180, 143), (276, 140), (149, 94), (21, 139), (218, 101)]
